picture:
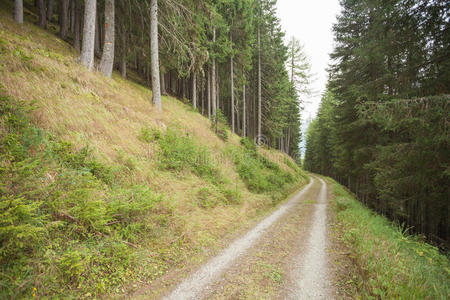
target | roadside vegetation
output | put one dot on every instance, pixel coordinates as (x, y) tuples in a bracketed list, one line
[(100, 194), (389, 263)]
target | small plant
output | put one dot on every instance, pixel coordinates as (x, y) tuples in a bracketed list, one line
[(232, 196), (219, 125), (205, 198), (148, 135), (179, 152)]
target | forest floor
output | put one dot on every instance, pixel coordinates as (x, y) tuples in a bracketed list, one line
[(284, 256)]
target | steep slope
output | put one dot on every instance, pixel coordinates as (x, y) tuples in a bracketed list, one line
[(99, 192)]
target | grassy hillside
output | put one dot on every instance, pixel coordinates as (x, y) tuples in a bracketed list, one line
[(384, 262), (99, 192)]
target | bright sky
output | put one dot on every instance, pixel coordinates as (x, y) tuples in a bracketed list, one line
[(310, 21)]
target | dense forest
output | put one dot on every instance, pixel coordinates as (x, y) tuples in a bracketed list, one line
[(383, 124), (227, 57)]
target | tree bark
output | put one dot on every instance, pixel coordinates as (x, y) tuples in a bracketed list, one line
[(163, 83), (97, 50), (123, 67), (209, 93), (194, 89), (42, 15), (202, 85), (64, 25), (156, 88), (232, 85), (259, 137), (77, 23), (50, 5), (87, 52), (107, 62), (72, 15), (18, 11), (123, 52), (217, 89), (244, 129), (213, 79)]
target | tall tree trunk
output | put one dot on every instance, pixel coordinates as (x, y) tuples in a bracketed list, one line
[(64, 25), (259, 136), (97, 49), (244, 129), (123, 53), (213, 78), (72, 15), (238, 117), (123, 67), (50, 5), (288, 140), (183, 88), (42, 14), (203, 94), (18, 11), (77, 23), (87, 51), (209, 93), (101, 29), (232, 85), (107, 62), (163, 83), (194, 89), (156, 88), (217, 89)]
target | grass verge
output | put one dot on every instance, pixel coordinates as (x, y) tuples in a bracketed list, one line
[(390, 264)]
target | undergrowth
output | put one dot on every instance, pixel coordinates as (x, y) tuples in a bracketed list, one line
[(391, 263), (178, 152), (260, 174), (67, 225)]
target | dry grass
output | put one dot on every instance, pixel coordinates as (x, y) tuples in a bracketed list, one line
[(85, 108)]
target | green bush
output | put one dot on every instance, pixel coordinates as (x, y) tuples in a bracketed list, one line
[(180, 152), (21, 227), (232, 196), (259, 173), (148, 135)]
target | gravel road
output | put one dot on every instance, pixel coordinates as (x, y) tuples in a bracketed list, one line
[(308, 271)]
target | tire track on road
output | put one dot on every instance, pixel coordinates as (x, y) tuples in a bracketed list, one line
[(199, 282)]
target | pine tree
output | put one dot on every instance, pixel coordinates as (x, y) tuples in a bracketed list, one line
[(18, 11), (156, 90), (107, 62), (87, 51)]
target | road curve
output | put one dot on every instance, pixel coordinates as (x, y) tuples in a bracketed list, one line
[(199, 282)]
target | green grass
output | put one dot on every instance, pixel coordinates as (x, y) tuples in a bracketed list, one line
[(71, 225), (391, 263), (67, 225), (262, 175)]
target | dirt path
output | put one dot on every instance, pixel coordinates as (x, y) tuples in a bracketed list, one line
[(283, 257), (310, 270)]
